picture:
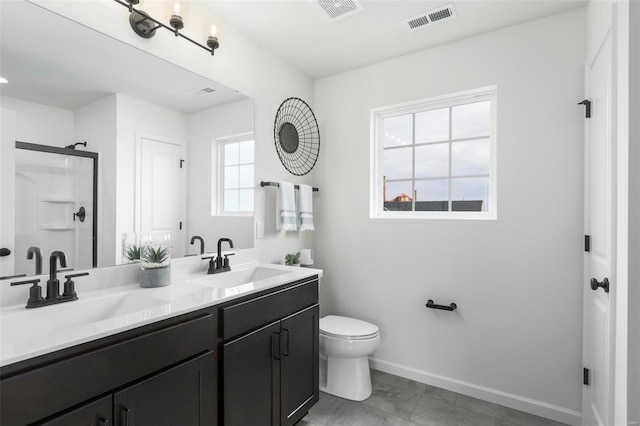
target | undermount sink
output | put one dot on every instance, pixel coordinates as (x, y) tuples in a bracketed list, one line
[(57, 321), (239, 277)]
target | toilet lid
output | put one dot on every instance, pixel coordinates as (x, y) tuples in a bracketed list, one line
[(345, 327)]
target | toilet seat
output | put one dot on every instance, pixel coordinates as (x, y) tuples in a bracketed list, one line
[(347, 328)]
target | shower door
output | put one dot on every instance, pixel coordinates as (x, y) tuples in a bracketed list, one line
[(55, 204)]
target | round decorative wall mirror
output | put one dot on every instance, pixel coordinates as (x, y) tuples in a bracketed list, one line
[(296, 136)]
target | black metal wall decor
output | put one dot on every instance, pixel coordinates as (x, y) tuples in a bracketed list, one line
[(296, 136)]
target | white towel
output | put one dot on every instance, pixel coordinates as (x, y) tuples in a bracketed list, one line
[(305, 207), (286, 207)]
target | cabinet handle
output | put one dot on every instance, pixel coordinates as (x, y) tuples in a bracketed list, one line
[(104, 422), (275, 345), (285, 342), (126, 412)]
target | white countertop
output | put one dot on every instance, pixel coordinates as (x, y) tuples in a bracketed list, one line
[(27, 333)]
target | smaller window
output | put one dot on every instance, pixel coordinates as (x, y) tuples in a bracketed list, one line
[(235, 175), (435, 158)]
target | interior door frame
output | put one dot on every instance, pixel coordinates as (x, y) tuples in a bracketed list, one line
[(607, 31), (138, 177)]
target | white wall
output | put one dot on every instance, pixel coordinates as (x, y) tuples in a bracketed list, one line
[(204, 128), (516, 338), (41, 124), (96, 124)]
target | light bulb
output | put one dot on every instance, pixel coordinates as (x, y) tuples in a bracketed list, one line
[(176, 8), (213, 30)]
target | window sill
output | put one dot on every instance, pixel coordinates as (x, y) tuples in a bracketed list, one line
[(436, 215)]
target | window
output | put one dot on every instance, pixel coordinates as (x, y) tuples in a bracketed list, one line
[(235, 175), (435, 158)]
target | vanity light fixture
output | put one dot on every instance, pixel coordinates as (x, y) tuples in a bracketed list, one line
[(145, 26)]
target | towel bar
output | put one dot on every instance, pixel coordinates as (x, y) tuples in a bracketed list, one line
[(451, 307), (265, 183)]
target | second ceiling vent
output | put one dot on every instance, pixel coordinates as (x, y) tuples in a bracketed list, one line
[(430, 17)]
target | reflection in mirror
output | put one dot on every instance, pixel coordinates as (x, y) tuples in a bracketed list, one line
[(155, 126)]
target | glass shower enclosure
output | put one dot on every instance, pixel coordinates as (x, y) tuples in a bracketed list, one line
[(55, 205)]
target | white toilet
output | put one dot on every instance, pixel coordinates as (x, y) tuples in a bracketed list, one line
[(345, 344)]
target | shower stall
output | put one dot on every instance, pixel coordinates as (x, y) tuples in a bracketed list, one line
[(55, 205)]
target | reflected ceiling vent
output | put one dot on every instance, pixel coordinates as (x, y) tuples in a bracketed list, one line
[(430, 17), (205, 91), (338, 9)]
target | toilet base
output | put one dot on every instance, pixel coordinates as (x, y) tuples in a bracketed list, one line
[(347, 378)]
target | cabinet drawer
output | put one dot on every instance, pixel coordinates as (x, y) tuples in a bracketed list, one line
[(43, 391), (246, 316)]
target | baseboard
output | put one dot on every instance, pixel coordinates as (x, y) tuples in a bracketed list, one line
[(516, 402)]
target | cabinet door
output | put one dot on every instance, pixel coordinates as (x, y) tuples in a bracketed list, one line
[(251, 378), (299, 364), (183, 395), (96, 413)]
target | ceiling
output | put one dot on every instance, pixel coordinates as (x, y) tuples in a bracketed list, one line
[(301, 34)]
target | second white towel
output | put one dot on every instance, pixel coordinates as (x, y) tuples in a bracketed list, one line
[(305, 207), (286, 207)]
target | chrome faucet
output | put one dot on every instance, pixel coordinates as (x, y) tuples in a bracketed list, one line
[(38, 254), (53, 284), (198, 237)]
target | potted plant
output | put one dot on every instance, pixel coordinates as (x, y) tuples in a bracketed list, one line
[(132, 253), (156, 267), (292, 259)]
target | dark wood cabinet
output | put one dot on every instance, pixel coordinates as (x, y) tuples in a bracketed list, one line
[(183, 395), (96, 413), (251, 371), (270, 375), (299, 367), (252, 361)]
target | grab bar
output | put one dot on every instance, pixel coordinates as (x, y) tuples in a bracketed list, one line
[(432, 305)]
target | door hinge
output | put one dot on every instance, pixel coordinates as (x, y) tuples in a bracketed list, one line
[(180, 224), (586, 376), (587, 104), (587, 243), (181, 163)]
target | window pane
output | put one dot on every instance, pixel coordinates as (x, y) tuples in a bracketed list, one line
[(231, 154), (432, 126), (245, 200), (471, 120), (470, 194), (231, 200), (432, 195), (231, 177), (398, 130), (396, 163), (470, 157), (432, 160), (246, 152), (398, 196), (246, 176)]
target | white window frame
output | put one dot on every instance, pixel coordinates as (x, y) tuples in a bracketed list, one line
[(377, 145), (217, 207)]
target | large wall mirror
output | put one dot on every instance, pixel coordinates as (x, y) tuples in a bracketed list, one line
[(158, 130)]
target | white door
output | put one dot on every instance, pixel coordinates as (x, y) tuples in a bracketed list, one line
[(160, 196), (7, 195), (600, 226)]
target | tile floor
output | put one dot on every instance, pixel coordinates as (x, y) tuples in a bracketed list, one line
[(400, 402)]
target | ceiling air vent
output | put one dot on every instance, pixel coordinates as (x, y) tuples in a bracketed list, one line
[(338, 9), (205, 91), (432, 16)]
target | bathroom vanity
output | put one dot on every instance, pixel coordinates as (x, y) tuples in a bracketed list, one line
[(234, 349)]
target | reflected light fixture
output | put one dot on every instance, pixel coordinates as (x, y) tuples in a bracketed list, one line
[(145, 26), (5, 81)]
